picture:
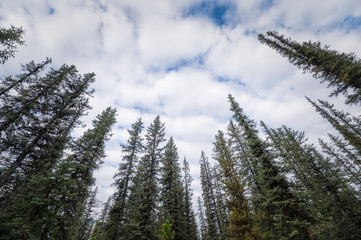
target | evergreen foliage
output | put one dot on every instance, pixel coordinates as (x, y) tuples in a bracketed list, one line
[(190, 231), (172, 192), (284, 218), (341, 71), (124, 179), (9, 39), (143, 200), (242, 223)]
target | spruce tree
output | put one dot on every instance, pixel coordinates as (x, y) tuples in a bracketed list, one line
[(32, 146), (342, 71), (328, 195), (242, 223), (141, 219), (124, 180), (172, 192), (210, 203), (87, 219), (202, 219), (77, 169), (190, 221), (283, 217), (9, 39)]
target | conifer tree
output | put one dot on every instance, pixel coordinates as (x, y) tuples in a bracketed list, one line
[(124, 180), (202, 219), (141, 222), (172, 192), (283, 217), (78, 168), (348, 126), (242, 223), (321, 183), (87, 219), (9, 39), (209, 198), (32, 146), (190, 221), (35, 135), (342, 71)]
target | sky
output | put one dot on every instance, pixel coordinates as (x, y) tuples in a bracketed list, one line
[(181, 58)]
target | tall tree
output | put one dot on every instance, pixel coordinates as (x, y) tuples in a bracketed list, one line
[(86, 156), (9, 39), (172, 192), (87, 219), (283, 217), (242, 223), (202, 219), (341, 71), (191, 226), (124, 179), (142, 216), (32, 146), (35, 134), (213, 231)]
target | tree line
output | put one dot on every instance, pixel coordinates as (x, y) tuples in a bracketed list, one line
[(280, 187)]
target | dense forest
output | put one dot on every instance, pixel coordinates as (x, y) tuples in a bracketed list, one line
[(277, 187)]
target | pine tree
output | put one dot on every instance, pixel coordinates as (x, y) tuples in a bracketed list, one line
[(124, 180), (242, 223), (283, 217), (341, 70), (141, 222), (190, 221), (9, 39)]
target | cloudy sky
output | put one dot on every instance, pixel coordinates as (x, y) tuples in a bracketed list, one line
[(180, 58)]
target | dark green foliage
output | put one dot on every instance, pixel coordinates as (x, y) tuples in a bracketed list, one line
[(124, 179), (202, 219), (342, 71), (172, 191), (141, 222), (87, 219), (9, 39), (321, 183), (284, 218), (37, 117), (76, 172), (213, 226), (190, 229)]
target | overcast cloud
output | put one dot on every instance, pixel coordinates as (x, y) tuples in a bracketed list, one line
[(180, 58)]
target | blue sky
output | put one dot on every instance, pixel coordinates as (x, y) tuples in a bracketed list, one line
[(181, 58)]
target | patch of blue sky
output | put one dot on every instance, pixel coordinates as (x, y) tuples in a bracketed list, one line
[(197, 61), (51, 10), (216, 11), (347, 24), (266, 4), (140, 109), (224, 79)]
